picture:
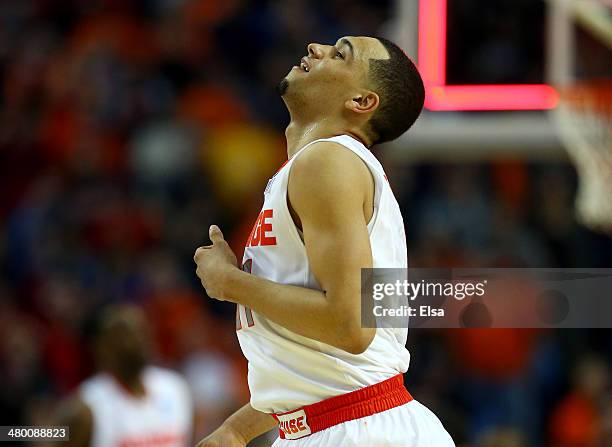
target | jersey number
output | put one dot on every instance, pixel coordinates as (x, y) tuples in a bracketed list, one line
[(247, 266)]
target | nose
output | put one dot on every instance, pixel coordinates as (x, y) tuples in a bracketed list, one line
[(315, 50)]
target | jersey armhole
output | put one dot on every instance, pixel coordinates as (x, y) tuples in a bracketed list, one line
[(373, 172)]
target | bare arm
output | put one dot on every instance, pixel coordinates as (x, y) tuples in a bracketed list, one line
[(240, 428), (75, 414), (328, 188)]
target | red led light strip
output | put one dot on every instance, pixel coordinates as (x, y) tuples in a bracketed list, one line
[(440, 96)]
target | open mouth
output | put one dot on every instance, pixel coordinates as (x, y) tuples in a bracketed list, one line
[(304, 65)]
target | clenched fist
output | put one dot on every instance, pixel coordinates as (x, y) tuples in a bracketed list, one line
[(214, 262)]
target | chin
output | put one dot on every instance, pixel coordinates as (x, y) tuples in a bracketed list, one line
[(283, 86)]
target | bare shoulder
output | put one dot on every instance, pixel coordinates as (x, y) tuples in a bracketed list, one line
[(77, 415), (328, 166), (73, 409)]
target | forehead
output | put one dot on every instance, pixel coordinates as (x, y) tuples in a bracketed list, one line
[(366, 48)]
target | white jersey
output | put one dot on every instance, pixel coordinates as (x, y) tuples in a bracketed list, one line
[(160, 418), (286, 370)]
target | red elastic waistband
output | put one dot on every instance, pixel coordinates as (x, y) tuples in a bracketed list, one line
[(357, 404)]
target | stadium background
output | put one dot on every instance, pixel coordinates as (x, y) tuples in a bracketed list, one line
[(128, 127)]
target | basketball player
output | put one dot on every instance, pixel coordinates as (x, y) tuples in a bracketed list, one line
[(328, 212), (128, 404)]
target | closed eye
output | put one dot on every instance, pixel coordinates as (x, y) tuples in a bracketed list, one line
[(339, 55)]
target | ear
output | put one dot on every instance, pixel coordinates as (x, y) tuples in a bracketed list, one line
[(363, 102)]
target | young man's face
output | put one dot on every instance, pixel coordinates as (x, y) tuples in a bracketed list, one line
[(330, 74)]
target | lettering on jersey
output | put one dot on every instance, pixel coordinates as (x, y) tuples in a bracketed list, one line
[(261, 234), (238, 320), (293, 425), (248, 313), (247, 266)]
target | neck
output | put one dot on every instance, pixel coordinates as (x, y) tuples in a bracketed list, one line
[(299, 134), (132, 384)]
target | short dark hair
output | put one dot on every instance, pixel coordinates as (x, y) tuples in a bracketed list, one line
[(402, 94)]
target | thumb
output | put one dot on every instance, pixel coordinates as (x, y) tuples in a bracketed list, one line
[(215, 234)]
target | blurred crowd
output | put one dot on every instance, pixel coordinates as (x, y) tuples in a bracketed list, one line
[(127, 127)]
